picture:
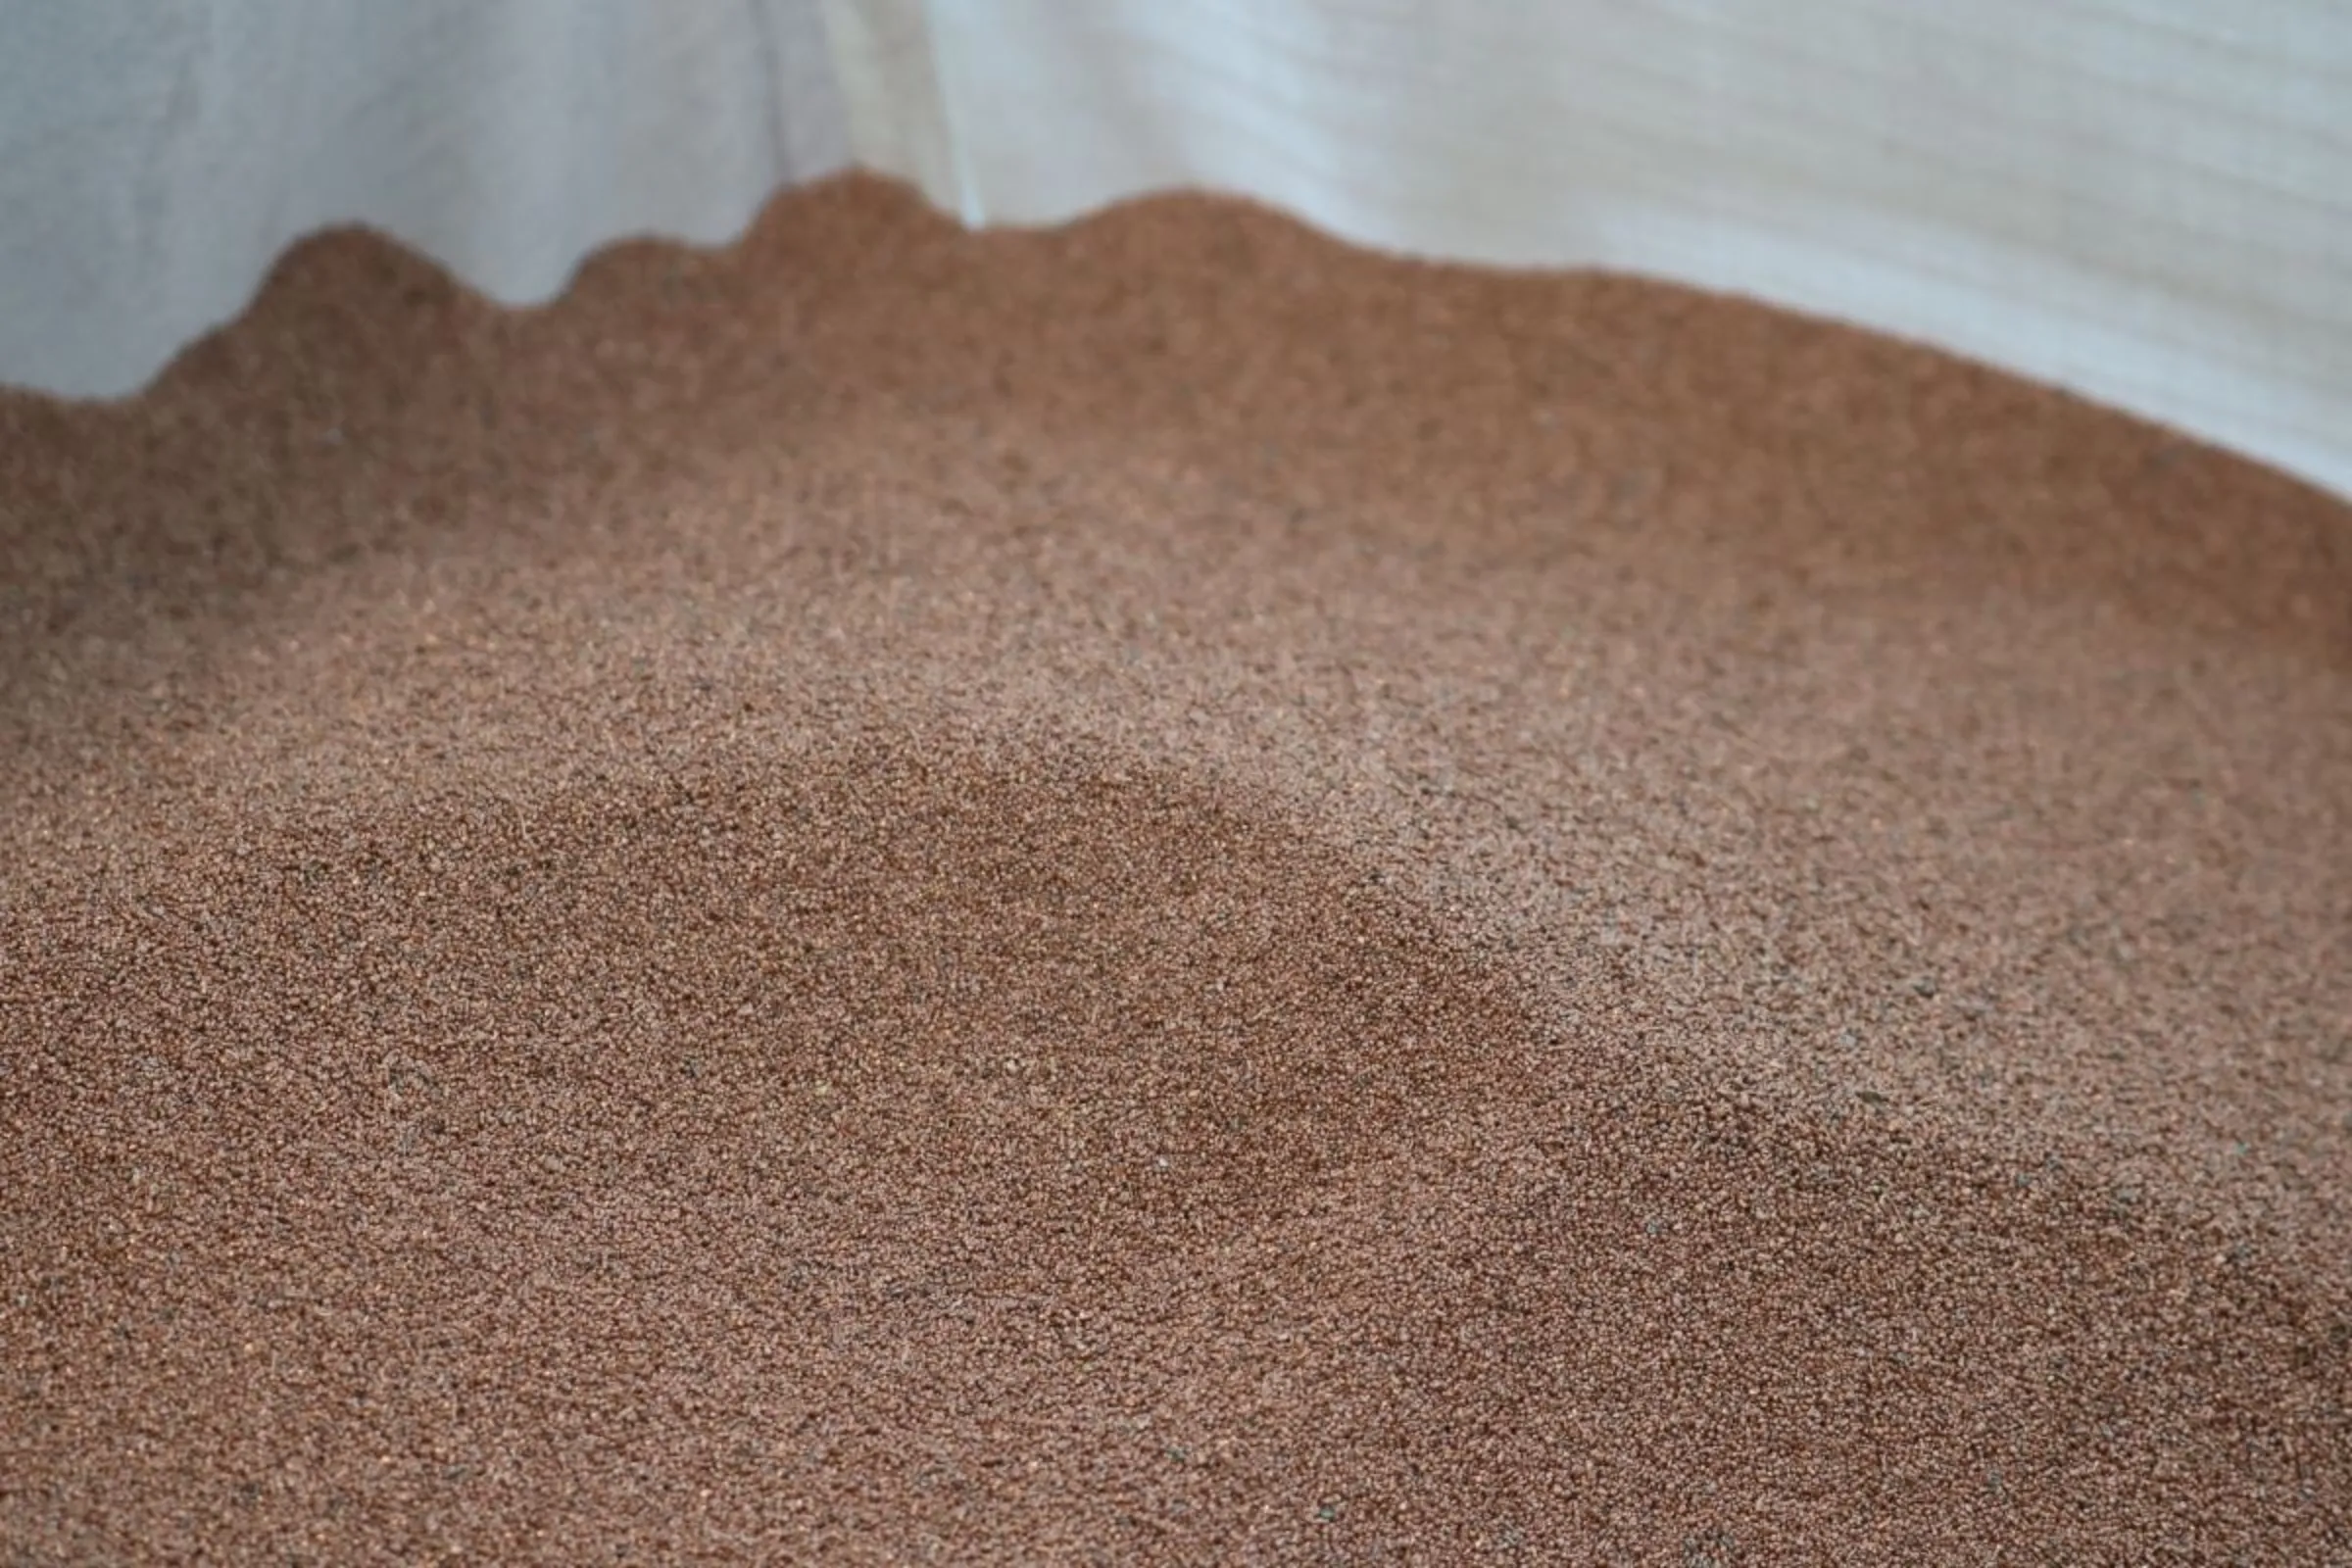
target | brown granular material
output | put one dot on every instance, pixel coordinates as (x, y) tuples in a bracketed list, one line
[(1159, 893)]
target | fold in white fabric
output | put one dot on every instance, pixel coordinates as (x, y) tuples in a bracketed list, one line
[(2148, 202)]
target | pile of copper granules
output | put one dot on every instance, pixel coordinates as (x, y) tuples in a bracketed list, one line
[(1158, 892)]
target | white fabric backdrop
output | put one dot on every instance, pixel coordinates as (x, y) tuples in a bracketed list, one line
[(2150, 201), (157, 156)]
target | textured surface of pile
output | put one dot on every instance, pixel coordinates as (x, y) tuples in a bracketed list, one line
[(1158, 892)]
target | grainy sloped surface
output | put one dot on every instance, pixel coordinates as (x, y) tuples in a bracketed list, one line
[(1159, 893)]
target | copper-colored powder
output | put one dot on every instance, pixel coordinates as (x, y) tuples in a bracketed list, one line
[(1159, 893)]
